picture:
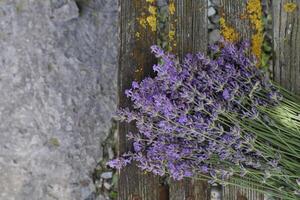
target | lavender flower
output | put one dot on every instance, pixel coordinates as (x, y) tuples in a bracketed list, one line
[(119, 163), (181, 114)]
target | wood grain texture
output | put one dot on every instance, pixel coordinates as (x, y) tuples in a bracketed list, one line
[(234, 13), (286, 40), (191, 26), (189, 190), (135, 62), (190, 20), (237, 193)]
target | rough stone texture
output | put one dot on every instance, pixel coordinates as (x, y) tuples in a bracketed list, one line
[(211, 11), (214, 36), (58, 71), (66, 12)]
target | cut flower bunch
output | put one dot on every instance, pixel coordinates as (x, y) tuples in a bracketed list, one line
[(217, 118)]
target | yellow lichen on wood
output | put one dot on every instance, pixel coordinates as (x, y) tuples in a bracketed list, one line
[(172, 26), (171, 8), (137, 34), (142, 21), (289, 7), (152, 10), (171, 35), (152, 22), (151, 19), (256, 46), (227, 31), (254, 12)]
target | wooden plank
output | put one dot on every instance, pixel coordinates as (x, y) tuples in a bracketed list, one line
[(236, 193), (235, 15), (234, 12), (191, 26), (286, 40), (189, 190), (135, 62), (190, 23)]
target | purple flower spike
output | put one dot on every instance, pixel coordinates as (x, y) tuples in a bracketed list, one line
[(137, 146), (179, 114), (157, 51), (119, 163), (226, 94), (135, 85)]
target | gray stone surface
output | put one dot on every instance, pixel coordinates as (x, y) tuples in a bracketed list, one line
[(211, 11), (209, 3), (214, 36), (66, 12), (215, 19), (107, 175), (58, 70)]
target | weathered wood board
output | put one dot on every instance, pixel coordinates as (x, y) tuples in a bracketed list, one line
[(190, 20), (135, 61), (234, 13), (286, 41)]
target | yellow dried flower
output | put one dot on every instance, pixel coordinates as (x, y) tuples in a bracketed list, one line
[(289, 7), (152, 22), (171, 8), (228, 32), (152, 10)]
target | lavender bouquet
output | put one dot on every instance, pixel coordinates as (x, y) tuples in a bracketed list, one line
[(217, 118)]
